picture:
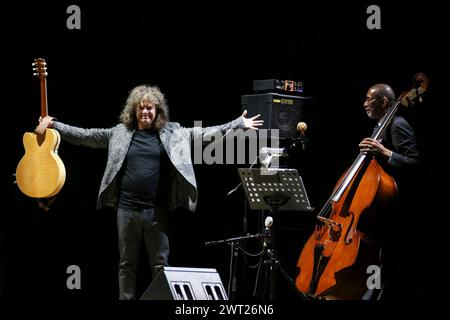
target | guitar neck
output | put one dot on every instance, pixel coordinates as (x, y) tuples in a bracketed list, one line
[(44, 109)]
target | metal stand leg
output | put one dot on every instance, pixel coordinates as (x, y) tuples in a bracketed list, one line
[(233, 275), (274, 264)]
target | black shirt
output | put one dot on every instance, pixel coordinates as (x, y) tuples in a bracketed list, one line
[(141, 171)]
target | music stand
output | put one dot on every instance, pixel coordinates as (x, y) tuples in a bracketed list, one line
[(274, 190)]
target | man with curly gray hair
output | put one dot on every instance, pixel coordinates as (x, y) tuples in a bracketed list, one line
[(146, 175)]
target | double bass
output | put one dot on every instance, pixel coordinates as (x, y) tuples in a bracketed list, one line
[(335, 260)]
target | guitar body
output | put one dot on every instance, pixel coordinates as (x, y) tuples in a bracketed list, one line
[(41, 172)]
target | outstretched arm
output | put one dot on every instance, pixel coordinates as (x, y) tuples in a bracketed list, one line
[(94, 138), (240, 123)]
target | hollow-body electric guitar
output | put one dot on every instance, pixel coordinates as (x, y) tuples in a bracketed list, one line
[(41, 172)]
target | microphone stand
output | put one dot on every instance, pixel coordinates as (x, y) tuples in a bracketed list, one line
[(235, 251), (235, 239), (234, 242), (303, 140)]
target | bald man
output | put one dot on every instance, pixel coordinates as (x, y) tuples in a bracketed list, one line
[(398, 154), (398, 147)]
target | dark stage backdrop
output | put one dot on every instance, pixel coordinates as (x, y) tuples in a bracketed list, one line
[(204, 57)]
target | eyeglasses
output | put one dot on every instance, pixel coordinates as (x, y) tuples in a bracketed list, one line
[(371, 100)]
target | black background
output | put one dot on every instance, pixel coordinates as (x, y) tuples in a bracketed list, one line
[(204, 56)]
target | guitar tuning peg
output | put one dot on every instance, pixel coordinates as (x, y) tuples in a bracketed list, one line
[(33, 64)]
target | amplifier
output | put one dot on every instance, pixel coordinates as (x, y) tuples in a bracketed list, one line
[(279, 111), (271, 85)]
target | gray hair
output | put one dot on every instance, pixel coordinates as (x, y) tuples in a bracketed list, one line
[(145, 93)]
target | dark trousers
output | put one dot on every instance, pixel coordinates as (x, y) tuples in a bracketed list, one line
[(134, 228)]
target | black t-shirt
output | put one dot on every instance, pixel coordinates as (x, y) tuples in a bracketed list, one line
[(141, 170)]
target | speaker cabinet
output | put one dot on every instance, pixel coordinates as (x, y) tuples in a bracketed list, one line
[(279, 111), (174, 283)]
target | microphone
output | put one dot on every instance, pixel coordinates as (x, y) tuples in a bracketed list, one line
[(267, 154), (268, 222), (301, 128)]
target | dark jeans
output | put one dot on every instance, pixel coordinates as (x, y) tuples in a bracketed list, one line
[(134, 228)]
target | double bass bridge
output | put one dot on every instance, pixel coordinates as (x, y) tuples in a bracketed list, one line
[(334, 228)]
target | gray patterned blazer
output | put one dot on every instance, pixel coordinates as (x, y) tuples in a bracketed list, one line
[(177, 143)]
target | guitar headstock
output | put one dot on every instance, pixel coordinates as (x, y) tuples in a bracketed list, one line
[(414, 95), (40, 68)]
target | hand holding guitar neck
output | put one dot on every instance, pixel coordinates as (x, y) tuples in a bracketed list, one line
[(44, 123)]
